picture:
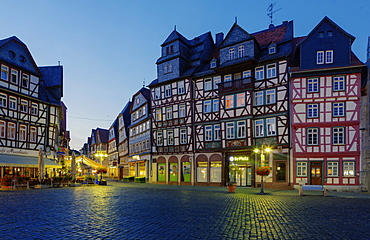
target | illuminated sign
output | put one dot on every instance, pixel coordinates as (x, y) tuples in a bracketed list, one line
[(239, 159)]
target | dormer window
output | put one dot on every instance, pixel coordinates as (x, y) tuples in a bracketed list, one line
[(169, 49), (272, 48), (213, 63), (231, 54)]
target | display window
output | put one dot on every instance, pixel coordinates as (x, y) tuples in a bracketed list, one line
[(215, 171), (202, 171), (162, 172), (186, 177), (174, 172)]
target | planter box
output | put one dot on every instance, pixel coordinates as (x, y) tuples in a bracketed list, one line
[(140, 179), (128, 179)]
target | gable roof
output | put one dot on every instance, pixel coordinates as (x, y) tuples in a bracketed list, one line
[(328, 20), (175, 35), (238, 31), (281, 33)]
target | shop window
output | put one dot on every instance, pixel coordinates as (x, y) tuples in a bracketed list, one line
[(185, 177), (215, 171), (202, 171), (162, 172), (173, 172)]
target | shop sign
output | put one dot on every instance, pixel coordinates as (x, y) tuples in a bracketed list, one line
[(13, 151), (239, 159)]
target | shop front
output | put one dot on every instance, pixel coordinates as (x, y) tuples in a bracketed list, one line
[(240, 169)]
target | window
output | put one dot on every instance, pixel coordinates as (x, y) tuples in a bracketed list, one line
[(169, 68), (4, 72), (241, 129), (3, 99), (167, 90), (25, 80), (24, 106), (301, 169), (329, 56), (217, 132), (207, 106), (14, 76), (241, 51), (13, 103), (339, 83), (330, 33), (259, 73), (247, 74), (270, 96), (338, 135), (216, 105), (11, 130), (183, 136), (182, 112), (271, 126), (320, 57), (22, 133), (181, 87), (258, 125), (258, 98), (338, 109), (312, 136), (312, 110), (157, 93), (230, 134), (160, 138), (349, 169), (170, 137), (231, 53), (34, 109), (207, 84), (229, 102), (271, 70), (240, 100), (213, 63), (168, 113), (208, 133), (227, 78), (321, 34), (332, 170), (2, 129), (158, 115), (313, 85), (216, 81), (272, 49)]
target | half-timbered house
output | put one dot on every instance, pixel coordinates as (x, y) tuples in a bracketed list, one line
[(325, 98), (124, 121), (112, 150), (30, 113), (139, 158)]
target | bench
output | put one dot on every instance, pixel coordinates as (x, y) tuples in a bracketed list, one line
[(312, 188)]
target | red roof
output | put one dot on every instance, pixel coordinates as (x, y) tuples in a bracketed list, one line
[(276, 35)]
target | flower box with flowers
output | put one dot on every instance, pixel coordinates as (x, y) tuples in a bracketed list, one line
[(263, 171)]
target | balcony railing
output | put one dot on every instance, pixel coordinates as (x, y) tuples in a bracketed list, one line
[(239, 84)]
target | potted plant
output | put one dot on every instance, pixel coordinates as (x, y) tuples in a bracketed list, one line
[(231, 186), (263, 171), (102, 170), (6, 182), (234, 170)]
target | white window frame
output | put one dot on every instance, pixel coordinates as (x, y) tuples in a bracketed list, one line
[(183, 136), (313, 110), (349, 169), (14, 76), (11, 130), (270, 96), (167, 90), (24, 106), (181, 87), (215, 105), (312, 85), (217, 132), (207, 107), (208, 133), (25, 80), (169, 113), (272, 49), (216, 80), (159, 138), (258, 98), (182, 111), (271, 70), (332, 169), (339, 83), (157, 93), (320, 57), (247, 74), (259, 128), (260, 73), (240, 51), (313, 136), (22, 132), (169, 137), (4, 72), (231, 54), (301, 169), (34, 109), (240, 99), (2, 129), (329, 56), (229, 101), (3, 100), (241, 126), (339, 109), (230, 130), (227, 78), (271, 126), (338, 137), (207, 84), (158, 114), (213, 63)]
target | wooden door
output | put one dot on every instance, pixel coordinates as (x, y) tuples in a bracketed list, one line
[(316, 173)]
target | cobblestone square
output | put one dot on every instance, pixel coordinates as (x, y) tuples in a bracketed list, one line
[(150, 211)]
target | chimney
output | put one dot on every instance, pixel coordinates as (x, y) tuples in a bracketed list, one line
[(219, 38)]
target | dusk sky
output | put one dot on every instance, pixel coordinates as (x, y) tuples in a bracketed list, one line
[(108, 49)]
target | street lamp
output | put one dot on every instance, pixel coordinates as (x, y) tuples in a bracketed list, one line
[(101, 155), (262, 170), (263, 151)]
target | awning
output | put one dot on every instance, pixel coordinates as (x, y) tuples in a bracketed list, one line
[(25, 161), (87, 161)]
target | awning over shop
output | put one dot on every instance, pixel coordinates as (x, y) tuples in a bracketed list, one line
[(25, 161), (87, 161)]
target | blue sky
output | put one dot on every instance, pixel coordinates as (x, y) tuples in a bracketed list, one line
[(109, 48)]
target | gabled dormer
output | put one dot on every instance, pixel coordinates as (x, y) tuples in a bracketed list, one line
[(238, 44), (272, 49), (326, 46), (140, 105)]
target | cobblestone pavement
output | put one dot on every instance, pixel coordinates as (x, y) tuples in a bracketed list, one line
[(151, 211)]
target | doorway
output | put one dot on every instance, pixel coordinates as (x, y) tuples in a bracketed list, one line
[(244, 178), (316, 173), (280, 172)]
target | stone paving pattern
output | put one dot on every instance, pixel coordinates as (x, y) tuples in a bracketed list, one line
[(151, 211)]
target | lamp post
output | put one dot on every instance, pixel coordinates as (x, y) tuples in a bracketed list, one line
[(101, 155), (262, 172)]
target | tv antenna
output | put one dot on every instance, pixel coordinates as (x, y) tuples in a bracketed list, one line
[(271, 11)]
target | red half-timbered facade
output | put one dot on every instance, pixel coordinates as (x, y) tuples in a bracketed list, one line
[(325, 99)]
